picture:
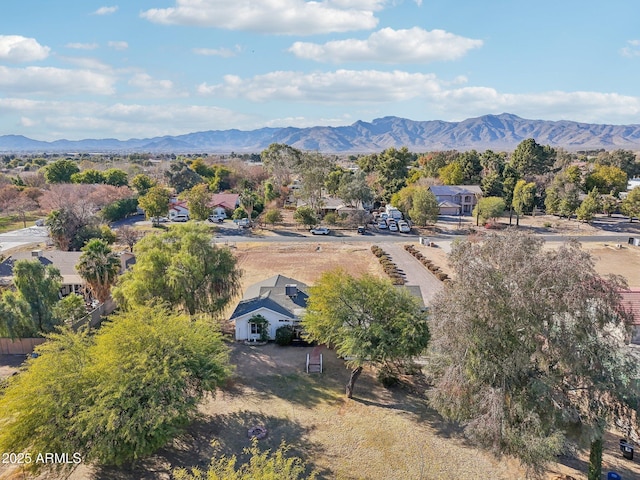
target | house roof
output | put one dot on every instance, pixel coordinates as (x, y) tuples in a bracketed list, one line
[(226, 200), (448, 204), (455, 190), (271, 294), (631, 301), (63, 261)]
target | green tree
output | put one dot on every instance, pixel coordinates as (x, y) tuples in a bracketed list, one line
[(354, 190), (28, 311), (523, 196), (117, 396), (155, 202), (606, 179), (119, 209), (70, 309), (180, 177), (530, 158), (262, 465), (489, 208), (116, 177), (248, 200), (367, 320), (424, 207), (270, 192), (60, 171), (390, 168), (183, 268), (90, 176), (273, 216), (631, 204), (529, 343), (141, 183), (99, 267), (451, 174), (198, 199), (305, 216), (280, 160), (562, 194), (589, 206)]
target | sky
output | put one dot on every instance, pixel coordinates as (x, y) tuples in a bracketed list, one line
[(145, 68)]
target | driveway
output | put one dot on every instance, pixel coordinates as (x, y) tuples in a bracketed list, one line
[(23, 237), (415, 272)]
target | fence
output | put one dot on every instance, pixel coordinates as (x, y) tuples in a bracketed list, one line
[(24, 346)]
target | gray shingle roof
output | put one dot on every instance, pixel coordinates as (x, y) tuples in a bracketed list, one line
[(271, 294), (455, 189)]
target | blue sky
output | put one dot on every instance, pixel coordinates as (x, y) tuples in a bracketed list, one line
[(88, 69)]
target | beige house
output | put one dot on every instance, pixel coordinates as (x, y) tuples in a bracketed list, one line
[(456, 199)]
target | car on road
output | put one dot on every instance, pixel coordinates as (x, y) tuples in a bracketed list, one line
[(216, 218), (40, 222), (180, 218), (242, 222), (159, 219), (362, 230), (320, 231)]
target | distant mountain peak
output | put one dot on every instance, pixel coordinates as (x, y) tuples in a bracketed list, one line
[(501, 132)]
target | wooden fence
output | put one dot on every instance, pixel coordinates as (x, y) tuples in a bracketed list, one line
[(24, 346)]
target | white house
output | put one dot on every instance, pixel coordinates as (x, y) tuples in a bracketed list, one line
[(177, 207), (222, 202), (279, 299)]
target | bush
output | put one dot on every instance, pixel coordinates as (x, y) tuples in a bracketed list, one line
[(284, 335), (442, 276), (387, 377)]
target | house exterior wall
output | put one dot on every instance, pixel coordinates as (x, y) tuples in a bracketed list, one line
[(176, 210), (275, 319), (448, 211)]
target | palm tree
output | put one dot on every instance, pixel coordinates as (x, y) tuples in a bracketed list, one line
[(99, 267)]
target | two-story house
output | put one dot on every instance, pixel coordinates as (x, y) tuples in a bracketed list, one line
[(456, 199)]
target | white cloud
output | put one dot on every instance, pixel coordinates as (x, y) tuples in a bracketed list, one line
[(15, 48), (150, 86), (118, 45), (286, 17), (88, 63), (387, 45), (54, 81), (77, 120), (350, 86), (632, 49), (106, 10), (82, 46), (218, 52)]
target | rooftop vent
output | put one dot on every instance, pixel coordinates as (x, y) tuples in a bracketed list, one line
[(291, 290), (36, 253)]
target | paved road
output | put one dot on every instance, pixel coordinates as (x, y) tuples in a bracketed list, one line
[(415, 272), (23, 237)]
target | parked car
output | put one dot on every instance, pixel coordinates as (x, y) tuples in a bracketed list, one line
[(242, 222), (393, 227), (180, 218), (320, 231), (362, 230), (159, 219), (382, 224), (404, 227), (40, 222), (216, 218)]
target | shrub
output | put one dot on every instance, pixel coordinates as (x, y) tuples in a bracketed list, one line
[(387, 377), (442, 276), (284, 335)]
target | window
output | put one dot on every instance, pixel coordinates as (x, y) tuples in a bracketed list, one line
[(255, 329), (467, 199)]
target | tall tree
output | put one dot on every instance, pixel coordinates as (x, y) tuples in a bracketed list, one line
[(180, 177), (29, 309), (60, 171), (607, 180), (529, 343), (530, 158), (305, 216), (280, 160), (424, 208), (198, 199), (451, 174), (99, 267), (182, 268), (155, 202), (631, 204), (523, 196), (366, 319), (489, 208), (142, 183), (589, 206), (248, 200)]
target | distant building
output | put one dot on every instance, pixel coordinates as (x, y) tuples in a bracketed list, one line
[(456, 199)]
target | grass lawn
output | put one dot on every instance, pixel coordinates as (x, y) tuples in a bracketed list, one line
[(14, 222)]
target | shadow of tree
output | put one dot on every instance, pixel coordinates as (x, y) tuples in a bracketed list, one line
[(216, 436)]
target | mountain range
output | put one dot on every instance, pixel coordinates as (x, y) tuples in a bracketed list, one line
[(496, 132)]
